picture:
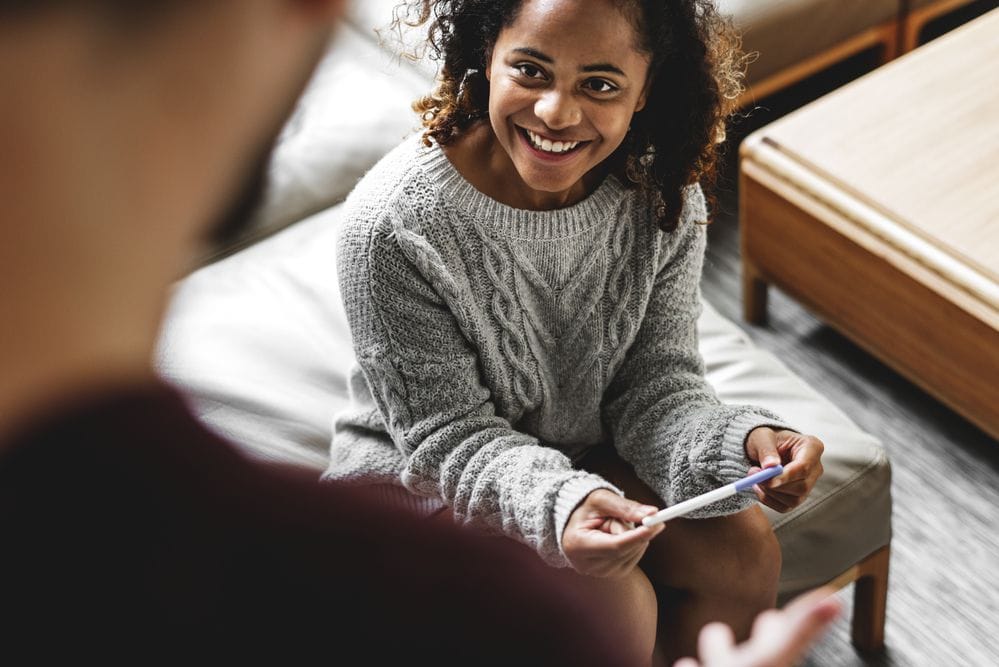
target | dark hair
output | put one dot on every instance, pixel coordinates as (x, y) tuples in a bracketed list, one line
[(696, 65)]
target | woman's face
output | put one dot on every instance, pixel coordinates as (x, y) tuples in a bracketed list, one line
[(564, 81)]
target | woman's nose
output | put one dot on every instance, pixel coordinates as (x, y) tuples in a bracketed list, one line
[(558, 109)]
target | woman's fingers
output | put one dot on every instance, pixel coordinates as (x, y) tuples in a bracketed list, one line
[(620, 541), (601, 537), (616, 564), (762, 446), (775, 503), (801, 472), (611, 505), (796, 487)]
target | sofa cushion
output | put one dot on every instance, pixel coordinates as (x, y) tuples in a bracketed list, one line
[(848, 513), (786, 32), (259, 341), (357, 107)]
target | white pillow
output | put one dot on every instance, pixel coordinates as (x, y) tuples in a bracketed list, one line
[(357, 107)]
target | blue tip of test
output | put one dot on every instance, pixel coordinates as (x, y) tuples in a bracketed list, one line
[(761, 476)]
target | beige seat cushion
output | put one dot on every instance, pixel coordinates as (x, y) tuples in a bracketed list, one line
[(785, 32), (260, 342)]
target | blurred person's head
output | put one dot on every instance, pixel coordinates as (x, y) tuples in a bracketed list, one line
[(130, 131)]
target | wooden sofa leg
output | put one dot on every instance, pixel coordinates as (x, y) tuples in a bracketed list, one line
[(754, 294), (870, 601)]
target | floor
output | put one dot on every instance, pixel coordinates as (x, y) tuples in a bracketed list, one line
[(943, 605)]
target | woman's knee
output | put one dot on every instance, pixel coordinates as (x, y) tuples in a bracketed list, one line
[(751, 562), (736, 557), (629, 608), (760, 560)]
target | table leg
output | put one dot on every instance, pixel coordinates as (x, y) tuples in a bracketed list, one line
[(754, 294)]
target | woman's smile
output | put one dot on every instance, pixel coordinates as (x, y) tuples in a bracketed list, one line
[(556, 151), (565, 79)]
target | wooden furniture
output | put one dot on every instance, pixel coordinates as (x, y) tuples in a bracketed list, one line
[(884, 37), (917, 13), (891, 38), (870, 599), (877, 207)]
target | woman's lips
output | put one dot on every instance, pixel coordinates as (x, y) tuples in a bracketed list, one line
[(550, 156)]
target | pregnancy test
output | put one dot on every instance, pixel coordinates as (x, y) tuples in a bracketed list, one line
[(727, 491)]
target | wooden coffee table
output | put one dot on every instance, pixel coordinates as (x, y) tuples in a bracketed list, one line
[(877, 207)]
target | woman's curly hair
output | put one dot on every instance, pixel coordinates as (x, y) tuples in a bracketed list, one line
[(696, 69)]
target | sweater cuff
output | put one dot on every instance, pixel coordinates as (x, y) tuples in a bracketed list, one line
[(733, 463), (570, 495)]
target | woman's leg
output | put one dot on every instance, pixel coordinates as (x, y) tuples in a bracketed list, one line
[(628, 605), (720, 569)]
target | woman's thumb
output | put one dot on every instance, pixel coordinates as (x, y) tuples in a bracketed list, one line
[(764, 447), (620, 507)]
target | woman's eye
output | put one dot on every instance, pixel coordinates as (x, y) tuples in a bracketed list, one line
[(600, 86), (530, 71)]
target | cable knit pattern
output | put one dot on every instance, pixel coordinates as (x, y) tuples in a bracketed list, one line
[(620, 327), (507, 311), (496, 345)]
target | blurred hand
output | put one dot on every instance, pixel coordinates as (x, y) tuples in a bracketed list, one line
[(799, 454), (779, 638), (600, 538)]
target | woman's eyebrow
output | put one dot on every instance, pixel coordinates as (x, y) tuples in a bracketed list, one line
[(534, 53), (543, 57), (602, 67)]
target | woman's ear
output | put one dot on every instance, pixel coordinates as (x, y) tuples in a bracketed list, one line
[(643, 97)]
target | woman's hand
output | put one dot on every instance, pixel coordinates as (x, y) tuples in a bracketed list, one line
[(600, 539), (799, 454), (779, 638)]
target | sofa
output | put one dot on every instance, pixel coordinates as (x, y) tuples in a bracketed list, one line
[(258, 341), (793, 39)]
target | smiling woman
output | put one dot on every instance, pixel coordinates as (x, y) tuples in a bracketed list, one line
[(522, 287), (548, 89), (689, 52)]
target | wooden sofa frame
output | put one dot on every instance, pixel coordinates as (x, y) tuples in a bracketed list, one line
[(892, 38)]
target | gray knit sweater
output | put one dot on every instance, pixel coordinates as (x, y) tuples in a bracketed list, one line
[(495, 345)]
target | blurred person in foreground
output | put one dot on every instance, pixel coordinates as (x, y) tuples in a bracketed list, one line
[(130, 133)]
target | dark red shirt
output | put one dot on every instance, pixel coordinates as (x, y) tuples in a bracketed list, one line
[(129, 531)]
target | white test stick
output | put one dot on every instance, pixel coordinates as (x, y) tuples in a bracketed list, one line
[(727, 491)]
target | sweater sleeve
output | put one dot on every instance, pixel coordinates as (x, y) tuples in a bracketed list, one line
[(405, 314), (663, 415)]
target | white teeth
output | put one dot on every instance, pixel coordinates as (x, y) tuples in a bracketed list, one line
[(550, 146)]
